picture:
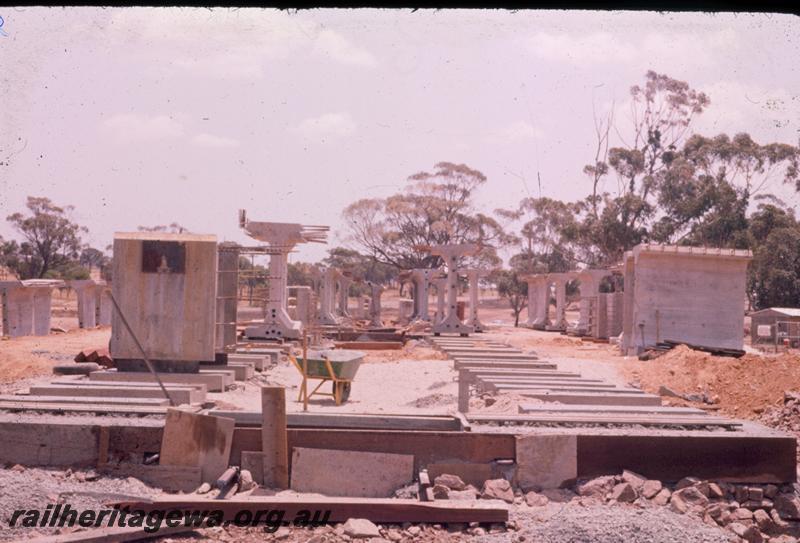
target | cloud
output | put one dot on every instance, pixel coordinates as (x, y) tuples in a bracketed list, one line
[(209, 140), (132, 127), (233, 43), (334, 45), (662, 51), (767, 114), (515, 132), (580, 48), (329, 124)]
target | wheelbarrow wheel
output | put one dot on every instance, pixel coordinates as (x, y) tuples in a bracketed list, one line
[(344, 390)]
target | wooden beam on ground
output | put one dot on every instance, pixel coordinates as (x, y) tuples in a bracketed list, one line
[(111, 535), (274, 441), (378, 510)]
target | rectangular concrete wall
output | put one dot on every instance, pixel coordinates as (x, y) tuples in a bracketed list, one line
[(693, 298), (165, 285)]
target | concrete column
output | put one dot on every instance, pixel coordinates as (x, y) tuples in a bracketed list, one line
[(422, 278), (590, 289), (103, 305), (302, 296), (327, 297), (404, 309), (375, 305), (560, 320), (474, 276), (451, 254), (86, 292), (441, 292), (629, 269), (344, 283), (17, 309), (227, 295), (542, 292)]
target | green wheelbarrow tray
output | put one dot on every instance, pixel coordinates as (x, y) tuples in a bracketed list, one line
[(344, 363)]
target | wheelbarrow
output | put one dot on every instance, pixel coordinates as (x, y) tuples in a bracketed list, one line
[(339, 366)]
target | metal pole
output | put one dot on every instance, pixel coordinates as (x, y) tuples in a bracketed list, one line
[(141, 349)]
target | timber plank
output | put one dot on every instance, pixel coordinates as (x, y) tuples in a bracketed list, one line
[(378, 510)]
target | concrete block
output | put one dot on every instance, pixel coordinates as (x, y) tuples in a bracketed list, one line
[(214, 382), (194, 440), (178, 395), (546, 461), (350, 473)]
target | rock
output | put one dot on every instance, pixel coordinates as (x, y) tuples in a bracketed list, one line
[(440, 492), (666, 391), (741, 494), (684, 499), (246, 481), (788, 506), (770, 491), (91, 475), (413, 531), (715, 491), (203, 489), (743, 514), (623, 493), (477, 531), (558, 495), (317, 538), (748, 533), (599, 486), (763, 521), (19, 468), (633, 479), (755, 494), (663, 497), (497, 489), (360, 528), (463, 495), (282, 533), (394, 535), (780, 524), (534, 499), (686, 482), (650, 488), (453, 482)]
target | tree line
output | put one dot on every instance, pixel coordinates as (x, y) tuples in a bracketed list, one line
[(651, 179)]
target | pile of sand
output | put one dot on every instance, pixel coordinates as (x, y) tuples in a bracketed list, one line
[(744, 386)]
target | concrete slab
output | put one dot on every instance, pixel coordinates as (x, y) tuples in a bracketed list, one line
[(461, 363), (546, 461), (350, 473), (259, 361), (241, 372), (195, 440), (20, 398), (178, 395), (619, 409), (214, 382), (589, 398)]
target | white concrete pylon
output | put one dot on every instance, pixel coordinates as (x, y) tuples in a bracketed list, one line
[(281, 237), (422, 278), (474, 276), (86, 292), (441, 294), (302, 297), (590, 289), (451, 254), (375, 305), (26, 306), (327, 297), (343, 282), (538, 301)]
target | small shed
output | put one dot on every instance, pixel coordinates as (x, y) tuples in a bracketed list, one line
[(770, 317)]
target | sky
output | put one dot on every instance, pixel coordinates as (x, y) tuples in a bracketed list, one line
[(146, 116)]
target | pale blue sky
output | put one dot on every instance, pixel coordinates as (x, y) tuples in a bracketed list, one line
[(148, 116)]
